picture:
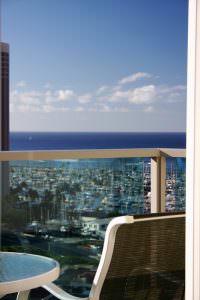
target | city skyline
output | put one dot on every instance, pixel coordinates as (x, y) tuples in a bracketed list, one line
[(97, 66)]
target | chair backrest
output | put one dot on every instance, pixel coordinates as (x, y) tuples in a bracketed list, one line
[(143, 258)]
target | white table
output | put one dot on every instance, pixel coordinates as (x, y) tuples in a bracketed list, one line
[(21, 272)]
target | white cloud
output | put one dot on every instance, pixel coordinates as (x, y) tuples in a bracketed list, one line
[(21, 84), (64, 95), (117, 99), (134, 77), (142, 95), (49, 97), (172, 94), (118, 95), (116, 88), (150, 93), (28, 98), (31, 97), (83, 99), (101, 90)]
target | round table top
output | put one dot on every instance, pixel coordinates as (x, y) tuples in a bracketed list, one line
[(22, 271)]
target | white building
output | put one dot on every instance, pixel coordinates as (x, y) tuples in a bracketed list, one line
[(95, 227)]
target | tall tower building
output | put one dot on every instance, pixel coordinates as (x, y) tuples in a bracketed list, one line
[(4, 118), (4, 110)]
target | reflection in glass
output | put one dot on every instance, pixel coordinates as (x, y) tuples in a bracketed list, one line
[(61, 208)]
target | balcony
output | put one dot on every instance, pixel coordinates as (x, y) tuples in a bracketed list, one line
[(59, 203)]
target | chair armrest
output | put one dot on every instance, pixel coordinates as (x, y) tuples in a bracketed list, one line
[(60, 293)]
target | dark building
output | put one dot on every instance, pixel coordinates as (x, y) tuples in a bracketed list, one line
[(4, 118), (4, 50)]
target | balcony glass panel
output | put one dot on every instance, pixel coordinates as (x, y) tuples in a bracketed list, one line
[(175, 184), (61, 208)]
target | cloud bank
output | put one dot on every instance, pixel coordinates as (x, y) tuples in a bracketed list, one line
[(124, 96)]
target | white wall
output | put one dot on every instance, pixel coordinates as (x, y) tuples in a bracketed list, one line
[(193, 156)]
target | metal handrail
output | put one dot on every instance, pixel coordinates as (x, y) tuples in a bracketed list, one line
[(87, 154), (157, 155)]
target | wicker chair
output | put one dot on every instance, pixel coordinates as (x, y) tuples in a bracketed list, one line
[(143, 258)]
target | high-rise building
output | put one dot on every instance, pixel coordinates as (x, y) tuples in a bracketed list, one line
[(4, 117), (4, 102)]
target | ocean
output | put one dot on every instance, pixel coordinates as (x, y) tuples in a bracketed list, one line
[(95, 140)]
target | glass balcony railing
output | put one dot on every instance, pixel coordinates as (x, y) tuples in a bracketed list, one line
[(175, 184), (59, 204)]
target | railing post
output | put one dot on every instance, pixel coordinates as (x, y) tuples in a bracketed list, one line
[(158, 177), (162, 184)]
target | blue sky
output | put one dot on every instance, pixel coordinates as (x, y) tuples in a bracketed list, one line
[(96, 65)]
